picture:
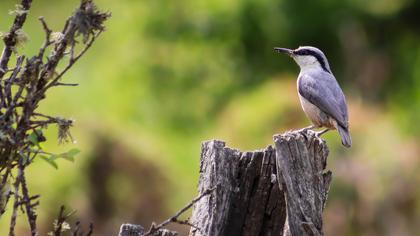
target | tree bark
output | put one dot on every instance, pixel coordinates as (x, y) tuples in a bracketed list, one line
[(301, 161), (138, 230), (131, 230), (253, 188), (247, 199)]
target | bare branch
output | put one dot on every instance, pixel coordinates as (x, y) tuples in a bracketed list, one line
[(27, 201), (87, 21), (72, 61), (47, 41), (15, 206), (7, 98), (90, 232), (60, 220), (174, 218), (65, 84), (10, 38), (187, 223), (25, 87)]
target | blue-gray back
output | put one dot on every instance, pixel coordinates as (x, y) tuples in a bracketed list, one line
[(321, 89)]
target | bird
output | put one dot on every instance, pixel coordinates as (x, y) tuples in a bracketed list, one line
[(320, 95)]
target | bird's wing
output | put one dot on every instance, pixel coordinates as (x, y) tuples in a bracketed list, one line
[(323, 91)]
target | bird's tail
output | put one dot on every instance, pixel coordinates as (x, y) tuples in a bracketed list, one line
[(345, 136)]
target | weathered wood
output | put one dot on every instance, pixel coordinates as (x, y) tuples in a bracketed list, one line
[(138, 230), (131, 230), (301, 161), (165, 232), (247, 200)]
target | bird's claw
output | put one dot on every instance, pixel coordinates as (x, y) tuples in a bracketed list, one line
[(319, 133), (304, 130)]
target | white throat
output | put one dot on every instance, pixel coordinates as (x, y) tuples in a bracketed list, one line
[(307, 63)]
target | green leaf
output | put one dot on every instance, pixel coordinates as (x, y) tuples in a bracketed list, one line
[(50, 160), (33, 138), (69, 155), (36, 137)]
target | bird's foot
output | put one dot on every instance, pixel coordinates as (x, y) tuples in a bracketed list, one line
[(304, 130), (319, 133)]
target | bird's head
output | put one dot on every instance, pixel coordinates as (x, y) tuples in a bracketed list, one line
[(307, 57)]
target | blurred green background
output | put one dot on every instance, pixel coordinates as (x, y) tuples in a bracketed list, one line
[(167, 75)]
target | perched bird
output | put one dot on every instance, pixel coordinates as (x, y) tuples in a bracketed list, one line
[(320, 95)]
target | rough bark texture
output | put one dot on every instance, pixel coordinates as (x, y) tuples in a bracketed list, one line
[(138, 230), (247, 200), (131, 230), (301, 160)]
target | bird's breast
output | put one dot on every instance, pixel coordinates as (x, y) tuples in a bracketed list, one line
[(316, 115)]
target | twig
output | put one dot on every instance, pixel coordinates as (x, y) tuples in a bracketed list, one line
[(10, 38), (30, 199), (76, 229), (15, 205), (72, 61), (186, 222), (60, 220), (66, 84), (47, 42), (9, 82), (27, 200), (90, 232), (174, 218)]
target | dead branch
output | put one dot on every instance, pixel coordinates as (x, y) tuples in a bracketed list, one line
[(174, 218), (23, 87), (9, 39)]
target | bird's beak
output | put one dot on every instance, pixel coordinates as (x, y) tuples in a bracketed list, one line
[(284, 50)]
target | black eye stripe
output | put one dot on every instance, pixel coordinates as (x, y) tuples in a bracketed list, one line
[(307, 52), (303, 52)]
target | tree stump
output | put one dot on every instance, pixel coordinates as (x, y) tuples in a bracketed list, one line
[(254, 187)]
